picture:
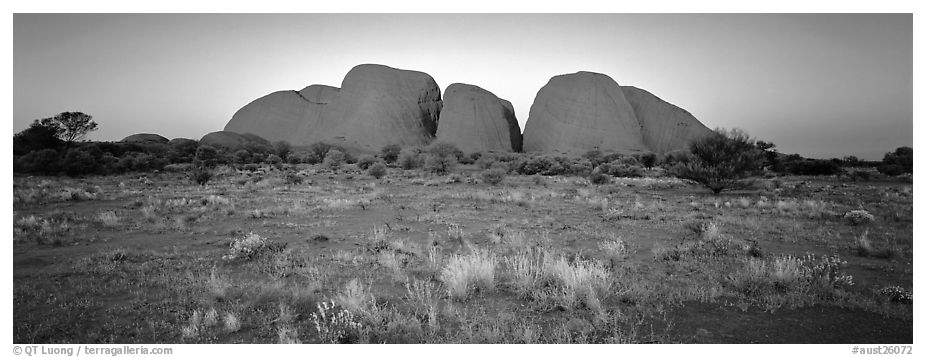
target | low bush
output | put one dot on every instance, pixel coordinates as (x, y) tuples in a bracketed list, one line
[(439, 164), (858, 217), (202, 175), (599, 178), (409, 159), (334, 158), (377, 170), (464, 274), (493, 176), (366, 161), (251, 246), (390, 153)]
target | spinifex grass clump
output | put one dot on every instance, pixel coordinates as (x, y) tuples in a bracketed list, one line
[(464, 274), (859, 217), (577, 283), (810, 274), (336, 325), (250, 246)]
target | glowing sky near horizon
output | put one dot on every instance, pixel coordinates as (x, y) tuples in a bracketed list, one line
[(822, 85)]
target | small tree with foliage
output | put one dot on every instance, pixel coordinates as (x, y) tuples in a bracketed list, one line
[(390, 153), (206, 156), (72, 126), (282, 149), (897, 162), (333, 159), (722, 160), (36, 137), (377, 170)]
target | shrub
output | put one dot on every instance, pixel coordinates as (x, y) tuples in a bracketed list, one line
[(390, 153), (251, 246), (409, 159), (242, 156), (292, 178), (282, 149), (442, 150), (648, 160), (202, 175), (485, 162), (494, 176), (334, 159), (336, 325), (540, 165), (294, 159), (464, 273), (897, 294), (860, 175), (206, 156), (574, 167), (273, 159), (859, 217), (622, 170), (721, 160), (182, 150), (890, 169), (80, 162), (42, 161), (599, 178), (594, 156), (813, 167), (317, 153), (579, 282), (902, 157), (439, 164), (36, 137), (377, 170), (366, 161)]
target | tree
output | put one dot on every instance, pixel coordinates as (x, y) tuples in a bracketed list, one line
[(771, 155), (902, 157), (206, 156), (282, 149), (36, 137), (71, 126), (390, 153), (722, 160)]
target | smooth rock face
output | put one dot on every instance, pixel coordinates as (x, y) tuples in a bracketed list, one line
[(474, 120), (283, 115), (232, 141), (376, 106), (380, 105), (665, 127), (578, 112), (144, 138)]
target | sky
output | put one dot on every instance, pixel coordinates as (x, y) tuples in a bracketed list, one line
[(821, 85)]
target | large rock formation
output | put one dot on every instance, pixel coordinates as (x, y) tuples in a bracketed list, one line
[(665, 127), (376, 106), (583, 111), (575, 113), (232, 141), (283, 115), (145, 138), (474, 120)]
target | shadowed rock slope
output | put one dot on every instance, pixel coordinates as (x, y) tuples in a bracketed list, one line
[(375, 106), (665, 127), (144, 138), (474, 120)]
